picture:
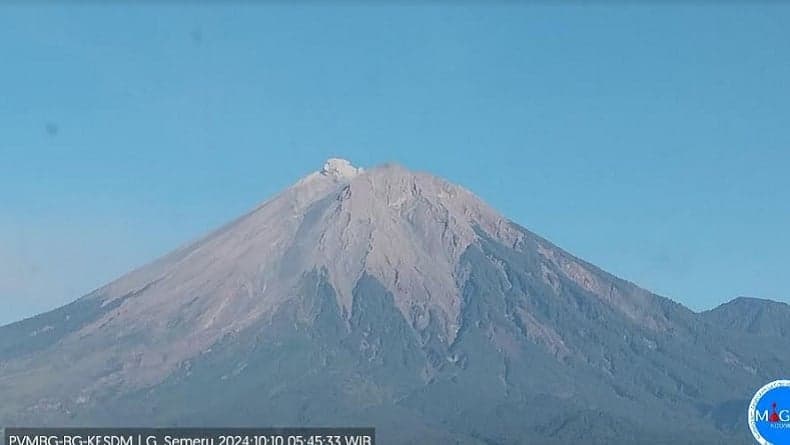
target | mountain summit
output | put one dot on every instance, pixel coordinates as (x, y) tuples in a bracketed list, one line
[(392, 298), (340, 168)]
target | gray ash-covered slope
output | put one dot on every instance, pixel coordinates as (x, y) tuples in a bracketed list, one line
[(390, 298)]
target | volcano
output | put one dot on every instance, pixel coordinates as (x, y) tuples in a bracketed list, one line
[(390, 298)]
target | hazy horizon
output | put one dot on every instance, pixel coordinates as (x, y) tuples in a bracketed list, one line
[(649, 140)]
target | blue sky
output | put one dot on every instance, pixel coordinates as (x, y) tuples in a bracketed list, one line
[(652, 140)]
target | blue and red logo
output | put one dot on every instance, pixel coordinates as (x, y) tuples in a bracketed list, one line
[(769, 414)]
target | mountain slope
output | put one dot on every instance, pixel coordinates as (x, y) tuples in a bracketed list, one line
[(391, 298)]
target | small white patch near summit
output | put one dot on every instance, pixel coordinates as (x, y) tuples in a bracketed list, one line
[(340, 168)]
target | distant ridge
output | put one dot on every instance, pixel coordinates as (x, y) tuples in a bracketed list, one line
[(753, 316)]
